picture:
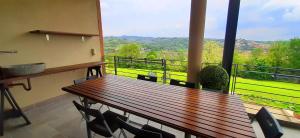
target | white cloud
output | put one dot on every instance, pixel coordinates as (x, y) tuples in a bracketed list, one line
[(291, 8), (259, 19), (292, 15), (279, 4)]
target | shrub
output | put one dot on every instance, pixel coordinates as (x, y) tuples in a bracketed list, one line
[(214, 77)]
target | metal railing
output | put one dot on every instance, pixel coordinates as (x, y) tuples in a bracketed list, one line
[(271, 86), (245, 79)]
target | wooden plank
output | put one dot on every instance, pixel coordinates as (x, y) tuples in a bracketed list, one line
[(173, 106), (53, 71)]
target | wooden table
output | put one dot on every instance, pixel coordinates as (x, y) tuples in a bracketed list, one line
[(196, 112)]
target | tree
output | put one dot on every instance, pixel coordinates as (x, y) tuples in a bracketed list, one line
[(278, 53), (257, 62), (212, 52), (240, 57), (130, 50), (152, 55), (258, 57), (294, 53)]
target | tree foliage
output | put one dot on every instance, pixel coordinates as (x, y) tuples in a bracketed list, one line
[(132, 50), (294, 53), (152, 55), (277, 55), (212, 52), (285, 54)]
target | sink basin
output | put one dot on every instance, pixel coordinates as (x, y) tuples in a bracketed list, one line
[(22, 69)]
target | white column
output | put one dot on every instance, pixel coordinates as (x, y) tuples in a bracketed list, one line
[(196, 39)]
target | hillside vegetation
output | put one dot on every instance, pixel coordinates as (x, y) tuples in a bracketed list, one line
[(175, 43), (259, 64)]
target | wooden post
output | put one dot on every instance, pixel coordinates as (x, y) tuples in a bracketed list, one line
[(2, 91), (230, 36), (196, 39), (101, 39)]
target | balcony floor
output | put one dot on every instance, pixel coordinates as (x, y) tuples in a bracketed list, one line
[(60, 119)]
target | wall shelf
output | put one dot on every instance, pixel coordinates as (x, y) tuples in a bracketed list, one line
[(48, 32)]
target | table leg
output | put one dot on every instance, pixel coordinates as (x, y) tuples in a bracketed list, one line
[(19, 111), (186, 135), (2, 111), (89, 134), (10, 101)]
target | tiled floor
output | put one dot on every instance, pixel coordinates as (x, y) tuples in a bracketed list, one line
[(62, 120)]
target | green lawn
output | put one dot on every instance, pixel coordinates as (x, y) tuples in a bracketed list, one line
[(270, 93)]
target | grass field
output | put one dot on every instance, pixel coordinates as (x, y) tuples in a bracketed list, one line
[(270, 93)]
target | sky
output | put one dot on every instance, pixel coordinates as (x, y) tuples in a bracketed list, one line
[(258, 19)]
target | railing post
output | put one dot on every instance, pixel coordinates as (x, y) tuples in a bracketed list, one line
[(234, 78), (276, 72), (115, 65), (165, 71)]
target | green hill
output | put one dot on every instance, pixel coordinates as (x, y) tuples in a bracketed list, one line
[(174, 43)]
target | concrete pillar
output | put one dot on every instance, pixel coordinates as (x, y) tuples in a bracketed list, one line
[(196, 39)]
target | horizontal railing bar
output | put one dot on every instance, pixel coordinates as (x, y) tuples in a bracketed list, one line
[(267, 86), (248, 95), (268, 93), (277, 75), (280, 68)]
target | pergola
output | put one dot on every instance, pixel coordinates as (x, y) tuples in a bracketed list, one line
[(196, 36)]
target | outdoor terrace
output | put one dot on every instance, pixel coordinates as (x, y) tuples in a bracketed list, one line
[(78, 31), (59, 118)]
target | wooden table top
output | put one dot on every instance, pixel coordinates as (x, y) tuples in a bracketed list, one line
[(197, 112)]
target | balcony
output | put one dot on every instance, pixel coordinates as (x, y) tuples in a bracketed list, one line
[(70, 41)]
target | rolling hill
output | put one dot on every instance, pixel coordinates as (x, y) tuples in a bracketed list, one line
[(174, 43)]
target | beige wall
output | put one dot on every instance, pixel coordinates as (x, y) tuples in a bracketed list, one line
[(18, 17)]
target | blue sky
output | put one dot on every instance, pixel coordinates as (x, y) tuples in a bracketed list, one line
[(259, 19)]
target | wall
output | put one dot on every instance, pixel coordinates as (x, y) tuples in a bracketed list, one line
[(18, 17)]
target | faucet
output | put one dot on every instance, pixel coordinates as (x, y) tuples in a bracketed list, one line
[(9, 52)]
